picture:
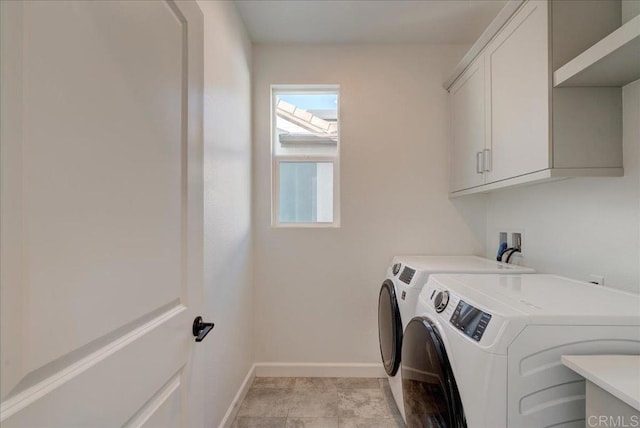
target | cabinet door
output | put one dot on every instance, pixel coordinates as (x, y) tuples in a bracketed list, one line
[(518, 75), (467, 104)]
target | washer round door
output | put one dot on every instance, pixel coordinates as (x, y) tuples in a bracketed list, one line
[(431, 397), (389, 328)]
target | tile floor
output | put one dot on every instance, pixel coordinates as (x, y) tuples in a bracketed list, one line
[(319, 403)]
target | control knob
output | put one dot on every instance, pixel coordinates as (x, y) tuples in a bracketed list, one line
[(441, 300), (396, 268)]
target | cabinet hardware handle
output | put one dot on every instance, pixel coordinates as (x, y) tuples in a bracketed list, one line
[(486, 160), (479, 159), (200, 329)]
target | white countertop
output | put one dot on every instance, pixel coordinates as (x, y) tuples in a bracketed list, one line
[(619, 375)]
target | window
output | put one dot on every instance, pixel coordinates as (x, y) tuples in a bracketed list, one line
[(305, 148)]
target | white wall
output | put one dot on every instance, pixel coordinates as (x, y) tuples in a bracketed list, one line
[(227, 174), (630, 8), (583, 226), (316, 290)]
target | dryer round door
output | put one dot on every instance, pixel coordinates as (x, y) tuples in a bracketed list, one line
[(431, 397), (389, 328)]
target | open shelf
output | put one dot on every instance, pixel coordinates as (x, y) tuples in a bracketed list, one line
[(613, 61)]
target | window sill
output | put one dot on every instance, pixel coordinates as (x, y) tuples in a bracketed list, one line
[(334, 225)]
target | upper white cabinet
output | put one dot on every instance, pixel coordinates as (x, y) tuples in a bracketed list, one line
[(510, 126), (468, 135), (518, 62)]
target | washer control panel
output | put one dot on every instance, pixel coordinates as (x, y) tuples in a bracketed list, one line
[(470, 320)]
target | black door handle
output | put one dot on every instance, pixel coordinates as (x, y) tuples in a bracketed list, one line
[(201, 329)]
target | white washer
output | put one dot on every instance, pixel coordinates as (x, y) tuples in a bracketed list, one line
[(399, 294), (484, 350)]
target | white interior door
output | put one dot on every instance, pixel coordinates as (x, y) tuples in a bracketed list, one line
[(101, 215)]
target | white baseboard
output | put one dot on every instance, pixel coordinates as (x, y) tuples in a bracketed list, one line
[(319, 370), (232, 412)]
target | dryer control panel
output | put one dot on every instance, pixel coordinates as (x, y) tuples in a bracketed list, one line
[(470, 320)]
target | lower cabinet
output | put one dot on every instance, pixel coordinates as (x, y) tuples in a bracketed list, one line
[(602, 408)]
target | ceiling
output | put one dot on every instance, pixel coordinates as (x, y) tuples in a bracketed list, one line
[(367, 21)]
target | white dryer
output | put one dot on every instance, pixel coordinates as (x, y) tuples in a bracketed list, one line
[(484, 350), (399, 294)]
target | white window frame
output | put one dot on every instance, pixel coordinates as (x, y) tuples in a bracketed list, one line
[(277, 159)]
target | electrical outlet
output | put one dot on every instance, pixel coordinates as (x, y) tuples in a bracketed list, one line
[(503, 237), (596, 279)]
